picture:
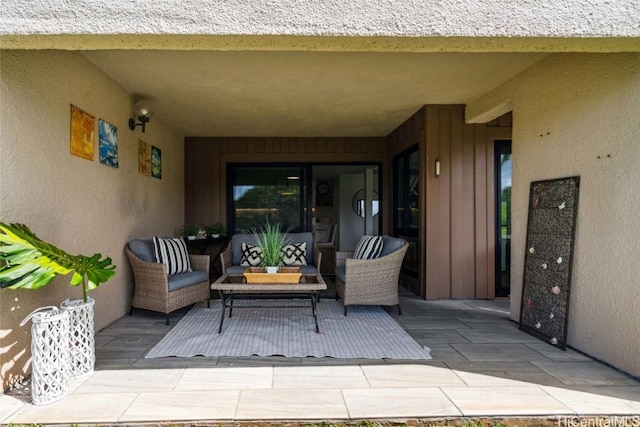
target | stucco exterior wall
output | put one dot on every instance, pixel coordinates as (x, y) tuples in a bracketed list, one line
[(81, 206), (579, 115), (428, 18)]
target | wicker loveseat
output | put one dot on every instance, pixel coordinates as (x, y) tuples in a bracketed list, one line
[(157, 291), (371, 281), (231, 257)]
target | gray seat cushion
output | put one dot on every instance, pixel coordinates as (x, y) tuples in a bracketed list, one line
[(236, 269), (390, 244), (143, 249), (341, 272), (308, 269), (183, 280)]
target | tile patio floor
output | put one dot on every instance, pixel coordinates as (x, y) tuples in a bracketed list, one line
[(482, 366)]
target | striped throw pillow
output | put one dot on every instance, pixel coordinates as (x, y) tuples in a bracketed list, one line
[(369, 247), (173, 254)]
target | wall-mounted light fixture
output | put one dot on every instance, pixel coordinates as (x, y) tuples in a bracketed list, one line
[(437, 167), (142, 113)]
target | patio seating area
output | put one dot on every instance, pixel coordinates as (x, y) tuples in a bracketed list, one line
[(482, 366)]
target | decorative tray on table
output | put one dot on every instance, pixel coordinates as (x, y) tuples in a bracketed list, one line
[(284, 275)]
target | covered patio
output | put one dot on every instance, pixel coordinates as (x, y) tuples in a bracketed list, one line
[(483, 366), (329, 83)]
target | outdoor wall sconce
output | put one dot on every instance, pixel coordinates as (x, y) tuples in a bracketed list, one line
[(437, 167), (142, 112)]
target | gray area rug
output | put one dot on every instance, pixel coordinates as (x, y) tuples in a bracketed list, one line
[(368, 332)]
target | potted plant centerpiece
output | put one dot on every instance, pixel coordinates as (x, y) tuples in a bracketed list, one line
[(31, 263), (189, 231), (216, 230), (270, 240)]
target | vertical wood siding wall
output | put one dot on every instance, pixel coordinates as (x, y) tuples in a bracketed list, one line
[(457, 230), (206, 162)]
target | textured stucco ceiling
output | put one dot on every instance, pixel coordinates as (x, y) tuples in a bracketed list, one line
[(314, 68), (217, 93)]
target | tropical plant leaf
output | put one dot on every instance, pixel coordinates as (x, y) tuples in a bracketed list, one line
[(32, 263), (96, 270), (27, 266)]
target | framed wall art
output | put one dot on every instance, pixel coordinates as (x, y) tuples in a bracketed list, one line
[(144, 157), (156, 162), (551, 224), (83, 129), (108, 143)]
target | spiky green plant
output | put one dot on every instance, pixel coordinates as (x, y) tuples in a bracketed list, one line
[(31, 263), (270, 240)]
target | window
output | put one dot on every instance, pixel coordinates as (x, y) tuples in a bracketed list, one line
[(503, 217), (406, 205), (261, 193)]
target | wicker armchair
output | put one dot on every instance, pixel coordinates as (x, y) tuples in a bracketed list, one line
[(152, 284), (371, 281)]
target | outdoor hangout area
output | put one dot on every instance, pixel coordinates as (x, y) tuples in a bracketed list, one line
[(319, 212)]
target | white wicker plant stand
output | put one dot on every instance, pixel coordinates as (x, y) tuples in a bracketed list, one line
[(81, 336), (50, 354)]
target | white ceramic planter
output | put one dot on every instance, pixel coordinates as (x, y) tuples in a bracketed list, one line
[(81, 336)]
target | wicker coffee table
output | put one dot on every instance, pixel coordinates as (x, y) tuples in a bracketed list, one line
[(229, 285)]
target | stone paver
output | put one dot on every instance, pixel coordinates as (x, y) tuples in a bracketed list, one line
[(76, 408), (410, 376), (596, 403), (585, 373), (183, 406), (505, 401), (131, 380), (9, 406), (399, 403), (498, 352), (291, 405), (319, 377), (239, 378), (482, 365)]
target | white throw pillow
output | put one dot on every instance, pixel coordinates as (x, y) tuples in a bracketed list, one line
[(173, 254), (369, 247)]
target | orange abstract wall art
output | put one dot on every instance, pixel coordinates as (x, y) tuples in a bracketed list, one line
[(83, 129), (144, 157)]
